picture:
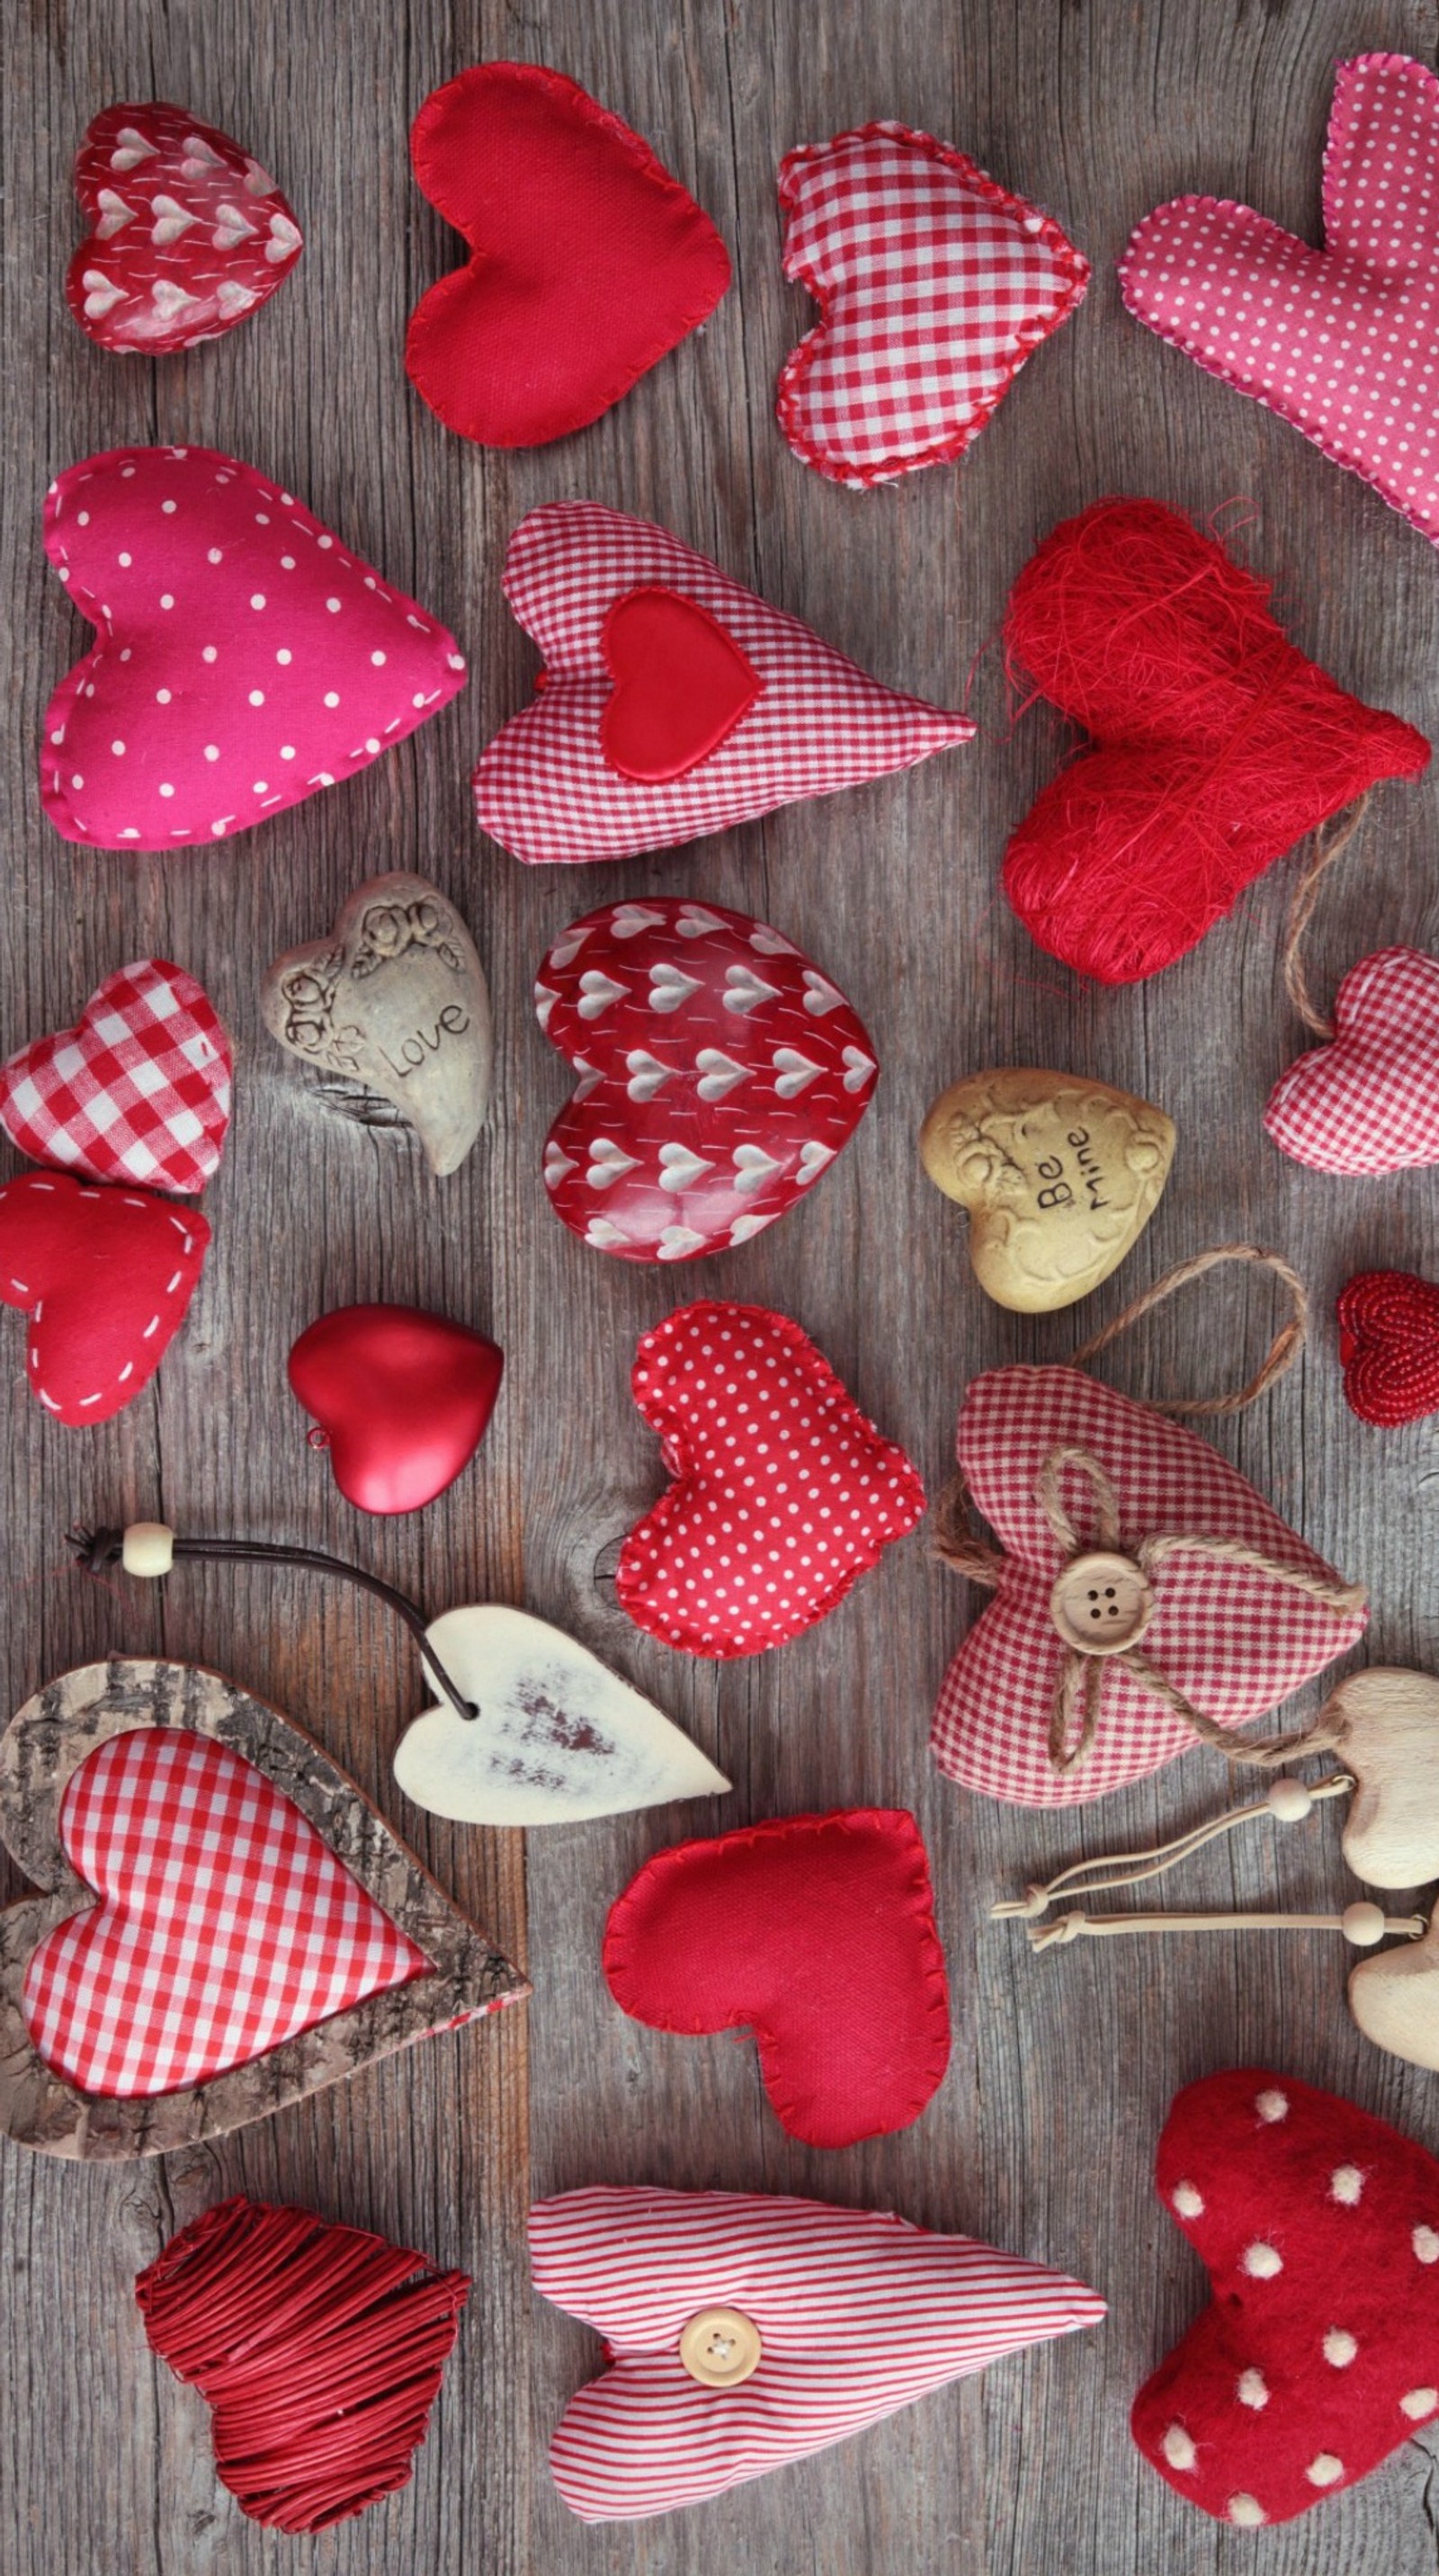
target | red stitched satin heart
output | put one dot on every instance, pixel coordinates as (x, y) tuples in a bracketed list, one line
[(105, 1277), (681, 685), (1389, 1346)]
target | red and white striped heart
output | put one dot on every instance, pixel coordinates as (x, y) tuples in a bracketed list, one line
[(138, 1090), (187, 233)]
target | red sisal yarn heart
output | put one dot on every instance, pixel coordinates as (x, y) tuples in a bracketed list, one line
[(1217, 744), (1389, 1346), (320, 2349)]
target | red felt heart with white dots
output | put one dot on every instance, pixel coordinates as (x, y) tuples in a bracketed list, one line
[(187, 233)]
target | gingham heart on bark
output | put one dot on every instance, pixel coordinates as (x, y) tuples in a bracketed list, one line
[(1342, 342), (720, 1075), (1234, 1638), (1369, 1100), (138, 1090), (544, 788), (1389, 1346), (187, 233), (105, 1277), (934, 285)]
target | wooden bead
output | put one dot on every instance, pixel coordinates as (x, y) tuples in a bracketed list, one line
[(147, 1548)]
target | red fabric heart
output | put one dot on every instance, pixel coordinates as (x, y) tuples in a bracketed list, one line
[(721, 1074), (138, 1090), (105, 1277), (1389, 1346), (223, 1926), (681, 686), (783, 1495), (402, 1399), (816, 1932), (589, 262), (934, 285), (1217, 745), (544, 788), (1368, 1102), (187, 233), (1319, 2353), (243, 657)]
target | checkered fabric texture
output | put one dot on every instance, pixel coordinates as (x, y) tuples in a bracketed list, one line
[(543, 788), (138, 1090), (1231, 1637), (1369, 1102), (224, 1923), (934, 285)]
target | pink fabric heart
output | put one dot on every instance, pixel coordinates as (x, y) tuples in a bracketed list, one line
[(138, 1090), (244, 657), (1343, 342), (1369, 1102)]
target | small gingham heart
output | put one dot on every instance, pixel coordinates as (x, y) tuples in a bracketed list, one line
[(1369, 1101), (138, 1090)]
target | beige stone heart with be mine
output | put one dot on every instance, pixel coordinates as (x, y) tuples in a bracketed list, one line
[(1060, 1176), (395, 1000)]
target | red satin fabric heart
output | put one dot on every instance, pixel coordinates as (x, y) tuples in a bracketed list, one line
[(589, 262), (816, 1932), (1369, 1101), (403, 1400), (681, 685), (187, 236), (105, 1277), (1389, 1346), (138, 1090)]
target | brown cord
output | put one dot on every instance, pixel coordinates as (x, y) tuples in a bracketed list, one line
[(957, 1544), (1283, 1351), (1328, 848)]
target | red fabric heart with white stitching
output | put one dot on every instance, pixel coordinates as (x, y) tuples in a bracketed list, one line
[(138, 1090), (187, 233), (721, 1074), (105, 1277), (589, 262), (681, 686), (1389, 1346), (243, 657), (783, 1495), (1369, 1101)]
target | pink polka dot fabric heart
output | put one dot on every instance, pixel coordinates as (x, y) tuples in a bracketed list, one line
[(244, 657), (1343, 342), (784, 1493), (1368, 1102)]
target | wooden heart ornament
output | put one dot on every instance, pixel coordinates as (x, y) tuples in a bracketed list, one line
[(138, 1090), (1368, 1101), (401, 1400), (155, 1996), (105, 1277), (1385, 1723), (1060, 1178), (187, 236), (394, 999), (1389, 1347), (720, 1075)]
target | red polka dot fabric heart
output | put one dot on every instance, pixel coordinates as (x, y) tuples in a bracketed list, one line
[(138, 1090), (105, 1277), (187, 236), (1319, 2352), (223, 1926), (244, 657), (546, 789), (1389, 1347), (934, 284), (1341, 342), (815, 1932), (720, 1076), (589, 261), (783, 1495), (1369, 1101)]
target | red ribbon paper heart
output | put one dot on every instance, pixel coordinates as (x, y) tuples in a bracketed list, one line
[(1389, 1346), (187, 233), (105, 1277)]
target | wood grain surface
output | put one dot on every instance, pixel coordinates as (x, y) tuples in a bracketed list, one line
[(1043, 2134)]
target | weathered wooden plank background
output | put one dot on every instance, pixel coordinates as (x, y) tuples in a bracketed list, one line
[(1043, 2134)]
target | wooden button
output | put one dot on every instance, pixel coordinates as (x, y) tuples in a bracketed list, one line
[(1101, 1603), (720, 2348)]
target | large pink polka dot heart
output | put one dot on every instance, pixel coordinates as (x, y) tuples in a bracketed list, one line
[(244, 657)]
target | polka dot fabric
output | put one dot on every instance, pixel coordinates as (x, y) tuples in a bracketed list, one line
[(783, 1494), (1319, 2353), (1343, 342), (244, 657)]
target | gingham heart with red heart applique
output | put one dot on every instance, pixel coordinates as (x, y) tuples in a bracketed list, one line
[(138, 1090), (1369, 1101)]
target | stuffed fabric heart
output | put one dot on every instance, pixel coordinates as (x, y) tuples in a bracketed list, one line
[(1343, 341), (721, 1074), (402, 1400), (783, 1495), (138, 1090), (816, 1932), (1319, 2353), (1369, 1101), (855, 2314), (672, 702), (1389, 1346), (187, 233), (224, 1924), (934, 285), (105, 1277), (244, 657), (1217, 745), (589, 262), (1233, 1638)]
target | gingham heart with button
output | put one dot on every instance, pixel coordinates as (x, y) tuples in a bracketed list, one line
[(138, 1090)]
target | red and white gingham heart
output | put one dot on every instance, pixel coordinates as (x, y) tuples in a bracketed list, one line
[(1369, 1101), (138, 1090)]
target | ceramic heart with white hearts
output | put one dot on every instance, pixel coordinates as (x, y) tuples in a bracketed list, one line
[(720, 1074)]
